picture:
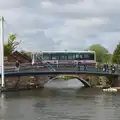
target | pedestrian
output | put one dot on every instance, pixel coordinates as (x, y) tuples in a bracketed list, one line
[(85, 67), (107, 67), (113, 68), (79, 65), (17, 66), (104, 67)]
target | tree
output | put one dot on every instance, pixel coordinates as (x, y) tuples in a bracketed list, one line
[(116, 55), (100, 51), (107, 58), (11, 45)]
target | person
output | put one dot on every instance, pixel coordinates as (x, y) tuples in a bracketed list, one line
[(113, 68), (85, 67), (107, 67), (17, 65), (104, 68), (79, 65)]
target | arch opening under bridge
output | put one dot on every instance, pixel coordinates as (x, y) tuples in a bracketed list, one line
[(85, 83)]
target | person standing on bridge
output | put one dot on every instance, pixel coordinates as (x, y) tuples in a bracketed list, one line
[(79, 65), (17, 66), (85, 67), (113, 68), (104, 67), (107, 67)]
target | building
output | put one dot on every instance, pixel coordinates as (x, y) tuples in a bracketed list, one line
[(17, 56)]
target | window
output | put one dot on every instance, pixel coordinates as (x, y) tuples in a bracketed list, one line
[(70, 56), (81, 56), (74, 56), (55, 57), (77, 57), (89, 56), (47, 56), (86, 56), (63, 56)]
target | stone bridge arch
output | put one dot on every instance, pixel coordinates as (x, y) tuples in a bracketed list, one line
[(85, 82)]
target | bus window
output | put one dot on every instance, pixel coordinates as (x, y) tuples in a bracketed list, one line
[(91, 56), (63, 57), (74, 56), (70, 56), (77, 57), (46, 56), (88, 57), (81, 57), (55, 57)]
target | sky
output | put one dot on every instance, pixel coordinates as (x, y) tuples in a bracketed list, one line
[(62, 24)]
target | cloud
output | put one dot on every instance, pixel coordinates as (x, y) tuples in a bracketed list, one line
[(62, 24)]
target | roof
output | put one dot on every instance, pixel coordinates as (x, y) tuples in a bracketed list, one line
[(71, 51), (23, 55)]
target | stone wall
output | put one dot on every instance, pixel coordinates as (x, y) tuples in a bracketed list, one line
[(25, 81), (94, 80)]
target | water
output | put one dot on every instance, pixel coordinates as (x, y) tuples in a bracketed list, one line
[(57, 102)]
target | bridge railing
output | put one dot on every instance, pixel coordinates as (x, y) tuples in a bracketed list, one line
[(60, 67)]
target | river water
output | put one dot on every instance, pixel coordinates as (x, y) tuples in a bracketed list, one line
[(60, 100)]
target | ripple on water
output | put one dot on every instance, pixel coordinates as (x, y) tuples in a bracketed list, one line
[(60, 104)]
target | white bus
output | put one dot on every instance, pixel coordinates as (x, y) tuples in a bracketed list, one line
[(67, 57)]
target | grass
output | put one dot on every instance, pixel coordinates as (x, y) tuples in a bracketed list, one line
[(64, 77)]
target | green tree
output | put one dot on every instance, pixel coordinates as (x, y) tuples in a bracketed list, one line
[(107, 58), (100, 51), (116, 55), (11, 45)]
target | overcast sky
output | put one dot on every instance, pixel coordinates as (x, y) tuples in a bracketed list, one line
[(62, 24)]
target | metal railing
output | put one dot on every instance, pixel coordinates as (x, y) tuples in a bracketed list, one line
[(60, 67), (49, 66)]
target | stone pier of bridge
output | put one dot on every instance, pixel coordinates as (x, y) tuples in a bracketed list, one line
[(21, 82), (115, 81)]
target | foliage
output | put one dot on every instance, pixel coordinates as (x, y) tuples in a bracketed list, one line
[(107, 58), (64, 77), (100, 51), (116, 55), (7, 50), (11, 45)]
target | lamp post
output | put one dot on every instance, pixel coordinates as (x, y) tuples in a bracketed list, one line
[(2, 49)]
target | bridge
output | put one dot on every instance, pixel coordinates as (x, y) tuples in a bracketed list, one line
[(62, 69), (26, 73)]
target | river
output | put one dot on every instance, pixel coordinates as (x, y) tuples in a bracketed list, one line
[(60, 100)]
